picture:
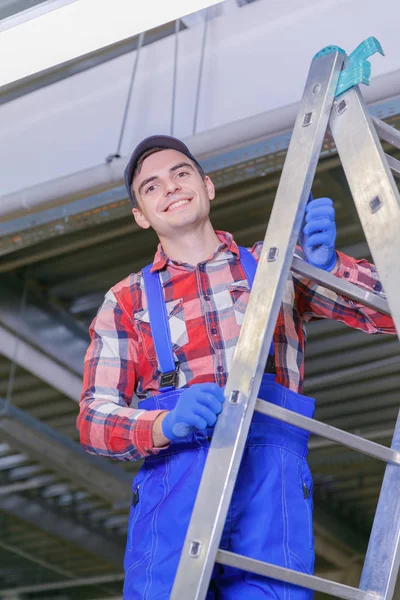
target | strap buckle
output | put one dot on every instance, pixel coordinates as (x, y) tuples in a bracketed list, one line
[(270, 366), (170, 378)]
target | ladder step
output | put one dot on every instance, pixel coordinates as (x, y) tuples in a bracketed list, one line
[(338, 590), (376, 434), (387, 132), (394, 164), (327, 431), (341, 286)]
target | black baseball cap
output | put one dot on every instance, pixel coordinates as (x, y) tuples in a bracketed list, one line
[(154, 141)]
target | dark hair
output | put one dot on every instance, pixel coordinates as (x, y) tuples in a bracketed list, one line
[(139, 165)]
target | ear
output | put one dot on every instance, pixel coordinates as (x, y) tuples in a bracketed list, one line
[(140, 218), (210, 188)]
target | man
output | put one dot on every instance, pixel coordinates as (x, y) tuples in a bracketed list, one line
[(167, 334)]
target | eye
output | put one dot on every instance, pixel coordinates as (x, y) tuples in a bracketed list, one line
[(182, 173), (150, 189)]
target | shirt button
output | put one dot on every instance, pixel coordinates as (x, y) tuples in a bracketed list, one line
[(201, 267), (206, 297), (346, 274), (220, 369), (378, 286), (214, 331)]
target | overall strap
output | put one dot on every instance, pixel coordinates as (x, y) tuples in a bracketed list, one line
[(249, 265), (160, 326), (160, 329)]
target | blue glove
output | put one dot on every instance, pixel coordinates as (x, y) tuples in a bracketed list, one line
[(197, 408), (318, 234)]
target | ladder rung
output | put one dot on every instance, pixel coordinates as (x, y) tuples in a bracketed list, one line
[(327, 431), (338, 590), (394, 164), (345, 288), (369, 435), (387, 132)]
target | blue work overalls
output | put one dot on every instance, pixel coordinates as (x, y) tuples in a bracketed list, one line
[(270, 515)]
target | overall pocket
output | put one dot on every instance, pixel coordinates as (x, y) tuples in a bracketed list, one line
[(299, 513), (136, 503)]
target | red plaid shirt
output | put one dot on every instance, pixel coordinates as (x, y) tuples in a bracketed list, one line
[(205, 305)]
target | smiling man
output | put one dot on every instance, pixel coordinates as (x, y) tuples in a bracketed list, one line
[(168, 334)]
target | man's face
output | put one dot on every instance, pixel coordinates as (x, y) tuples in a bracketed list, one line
[(171, 194)]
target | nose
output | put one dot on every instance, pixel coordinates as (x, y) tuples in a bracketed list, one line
[(171, 186)]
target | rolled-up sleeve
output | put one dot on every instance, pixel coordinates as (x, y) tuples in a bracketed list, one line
[(107, 424), (315, 301)]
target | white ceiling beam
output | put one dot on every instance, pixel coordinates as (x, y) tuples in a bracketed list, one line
[(78, 28)]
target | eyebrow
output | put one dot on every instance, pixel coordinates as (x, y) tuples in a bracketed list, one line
[(172, 170)]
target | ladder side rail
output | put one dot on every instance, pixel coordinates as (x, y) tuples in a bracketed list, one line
[(382, 560), (377, 201), (226, 449), (373, 188)]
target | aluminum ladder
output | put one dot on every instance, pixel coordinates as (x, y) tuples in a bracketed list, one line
[(331, 98)]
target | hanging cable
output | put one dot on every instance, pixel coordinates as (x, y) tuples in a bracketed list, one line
[(200, 71), (128, 99), (177, 28)]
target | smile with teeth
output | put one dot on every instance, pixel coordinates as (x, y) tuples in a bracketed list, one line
[(176, 204)]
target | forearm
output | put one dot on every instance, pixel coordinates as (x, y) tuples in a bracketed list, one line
[(159, 439), (316, 301), (364, 275), (120, 433), (107, 424)]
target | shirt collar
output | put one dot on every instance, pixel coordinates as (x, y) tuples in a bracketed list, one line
[(227, 244)]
